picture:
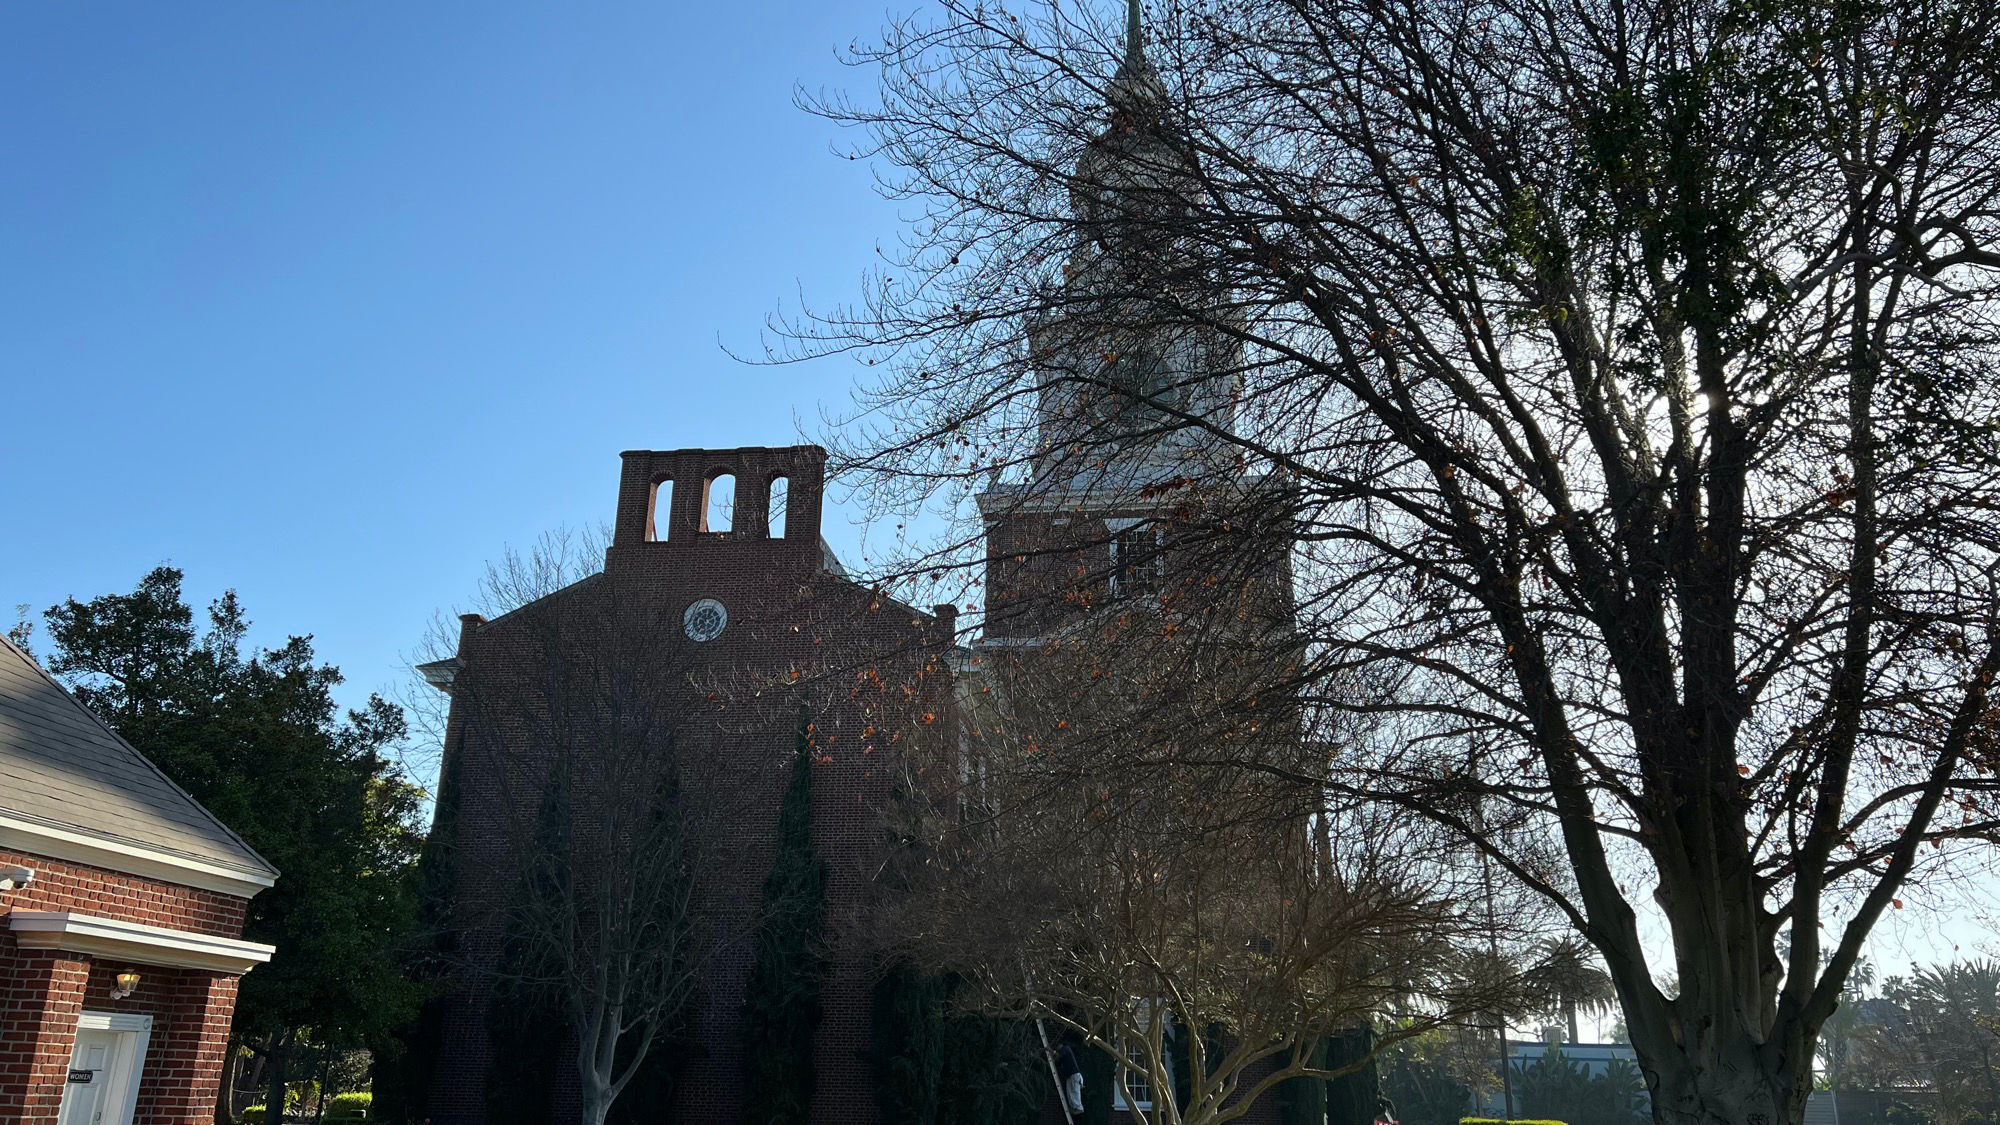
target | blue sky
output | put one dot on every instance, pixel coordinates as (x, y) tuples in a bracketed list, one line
[(328, 302), (331, 301)]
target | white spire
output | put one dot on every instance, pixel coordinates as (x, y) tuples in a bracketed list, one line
[(1135, 37)]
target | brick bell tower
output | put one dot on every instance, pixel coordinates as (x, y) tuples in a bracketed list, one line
[(718, 553)]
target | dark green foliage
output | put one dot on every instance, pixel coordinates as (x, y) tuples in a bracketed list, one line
[(1351, 1099), (1347, 1100), (1099, 1072), (525, 1016), (1553, 1087), (1426, 1095), (788, 967), (406, 1061), (530, 1050), (908, 1048), (1302, 1101), (993, 1074), (644, 1099), (936, 1064), (1556, 1087), (661, 854), (1180, 1062), (256, 737)]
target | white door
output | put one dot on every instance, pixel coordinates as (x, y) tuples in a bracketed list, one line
[(104, 1069), (90, 1078)]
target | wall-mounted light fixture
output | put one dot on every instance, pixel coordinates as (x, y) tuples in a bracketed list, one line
[(128, 983)]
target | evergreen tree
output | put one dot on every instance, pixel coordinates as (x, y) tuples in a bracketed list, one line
[(524, 1019), (256, 737), (1302, 1101), (781, 1006), (1099, 1072), (1351, 1098), (938, 1064), (908, 1028), (993, 1071), (406, 1059)]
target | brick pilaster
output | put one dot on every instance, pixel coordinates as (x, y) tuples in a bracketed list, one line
[(184, 1060), (41, 995)]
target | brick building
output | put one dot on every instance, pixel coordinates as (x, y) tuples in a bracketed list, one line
[(1133, 491), (121, 913), (757, 622)]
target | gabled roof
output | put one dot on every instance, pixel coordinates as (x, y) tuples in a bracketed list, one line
[(71, 788)]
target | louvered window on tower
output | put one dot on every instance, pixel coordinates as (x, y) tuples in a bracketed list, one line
[(1138, 561)]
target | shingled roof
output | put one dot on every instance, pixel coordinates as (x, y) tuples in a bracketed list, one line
[(71, 788)]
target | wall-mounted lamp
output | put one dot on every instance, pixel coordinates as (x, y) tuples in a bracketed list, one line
[(128, 983)]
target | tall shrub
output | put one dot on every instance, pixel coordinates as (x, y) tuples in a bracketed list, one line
[(781, 1008)]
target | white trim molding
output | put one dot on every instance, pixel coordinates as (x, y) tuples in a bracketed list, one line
[(128, 1067), (134, 941), (23, 835), (114, 1021)]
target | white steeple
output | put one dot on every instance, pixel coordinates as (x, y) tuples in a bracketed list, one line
[(1131, 369)]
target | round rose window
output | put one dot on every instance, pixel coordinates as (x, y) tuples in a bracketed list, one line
[(705, 620)]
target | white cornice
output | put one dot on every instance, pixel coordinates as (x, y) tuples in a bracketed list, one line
[(440, 674), (133, 941), (35, 837)]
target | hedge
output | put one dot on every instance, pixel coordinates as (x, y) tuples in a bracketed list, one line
[(341, 1108)]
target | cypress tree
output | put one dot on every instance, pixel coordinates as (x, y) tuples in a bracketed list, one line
[(675, 1037), (400, 1076), (788, 967), (908, 1029), (1302, 1101), (1099, 1073), (936, 1064), (1351, 1098), (993, 1071), (524, 1019)]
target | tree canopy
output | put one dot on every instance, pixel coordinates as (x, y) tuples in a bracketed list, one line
[(1631, 369), (254, 734)]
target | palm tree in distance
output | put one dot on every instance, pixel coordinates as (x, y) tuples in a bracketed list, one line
[(1571, 983)]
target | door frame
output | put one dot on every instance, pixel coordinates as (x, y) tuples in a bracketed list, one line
[(128, 1064)]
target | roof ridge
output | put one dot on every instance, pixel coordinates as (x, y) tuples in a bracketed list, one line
[(98, 721)]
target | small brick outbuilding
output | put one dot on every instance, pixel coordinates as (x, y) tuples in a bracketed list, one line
[(122, 903)]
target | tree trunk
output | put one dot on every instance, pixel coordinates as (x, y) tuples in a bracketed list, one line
[(225, 1102), (596, 1102), (1734, 1088), (325, 1092), (274, 1095)]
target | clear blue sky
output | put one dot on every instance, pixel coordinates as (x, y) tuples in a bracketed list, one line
[(328, 302), (331, 300)]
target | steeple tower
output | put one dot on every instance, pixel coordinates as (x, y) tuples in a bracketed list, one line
[(1135, 38), (1131, 369), (1137, 385)]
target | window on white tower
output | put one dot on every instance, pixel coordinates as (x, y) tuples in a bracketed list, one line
[(1138, 561), (1132, 1088)]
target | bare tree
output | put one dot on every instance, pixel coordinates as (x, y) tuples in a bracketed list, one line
[(556, 559), (1208, 926), (581, 722), (1632, 366)]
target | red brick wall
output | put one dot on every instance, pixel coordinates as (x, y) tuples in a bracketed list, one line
[(95, 890), (43, 991), (865, 663)]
